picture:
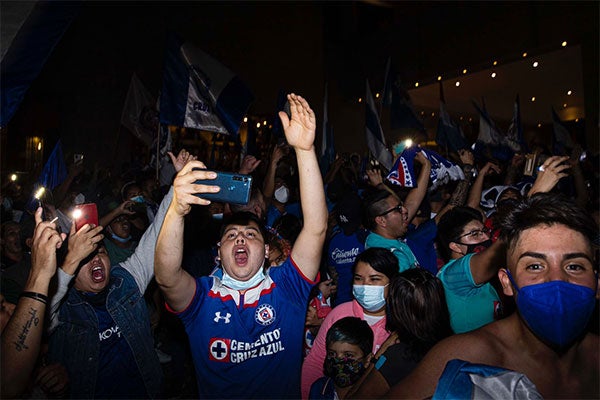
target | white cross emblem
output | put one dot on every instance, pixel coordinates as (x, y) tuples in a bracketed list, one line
[(219, 317)]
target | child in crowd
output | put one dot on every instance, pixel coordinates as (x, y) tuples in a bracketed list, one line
[(349, 343)]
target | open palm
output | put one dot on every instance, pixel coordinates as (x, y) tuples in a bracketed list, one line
[(300, 129)]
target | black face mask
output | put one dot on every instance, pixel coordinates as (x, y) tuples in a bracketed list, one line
[(477, 247)]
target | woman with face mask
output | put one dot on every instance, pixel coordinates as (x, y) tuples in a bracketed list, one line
[(374, 269)]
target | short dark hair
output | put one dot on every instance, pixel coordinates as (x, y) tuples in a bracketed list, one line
[(417, 310), (243, 218), (381, 260), (546, 209), (374, 205), (451, 226), (351, 330)]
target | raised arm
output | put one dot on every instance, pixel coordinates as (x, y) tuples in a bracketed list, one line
[(416, 195), (176, 284), (477, 187), (549, 173), (300, 134), (484, 266), (22, 336)]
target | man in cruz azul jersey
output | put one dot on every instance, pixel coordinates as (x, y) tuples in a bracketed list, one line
[(245, 322)]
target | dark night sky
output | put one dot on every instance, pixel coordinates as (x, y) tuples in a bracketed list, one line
[(295, 46)]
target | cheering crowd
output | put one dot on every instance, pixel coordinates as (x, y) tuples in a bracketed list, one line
[(321, 286)]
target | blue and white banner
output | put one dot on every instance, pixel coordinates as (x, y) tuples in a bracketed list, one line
[(199, 92), (442, 170), (374, 133)]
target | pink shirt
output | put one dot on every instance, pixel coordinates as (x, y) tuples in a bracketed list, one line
[(312, 368)]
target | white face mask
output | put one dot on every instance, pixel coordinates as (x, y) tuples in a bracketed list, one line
[(282, 194), (232, 283), (370, 297)]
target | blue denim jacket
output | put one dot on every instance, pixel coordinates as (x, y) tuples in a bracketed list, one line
[(75, 344)]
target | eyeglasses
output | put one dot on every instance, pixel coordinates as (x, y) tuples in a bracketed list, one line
[(476, 233), (397, 208)]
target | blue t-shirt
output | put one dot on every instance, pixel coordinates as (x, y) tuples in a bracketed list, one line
[(118, 374), (249, 345), (405, 256), (470, 305), (421, 241), (341, 253)]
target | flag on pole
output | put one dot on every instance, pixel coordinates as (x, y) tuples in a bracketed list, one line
[(139, 112), (199, 92), (55, 169), (327, 154), (374, 133), (28, 40), (514, 134), (488, 132), (563, 141), (449, 135)]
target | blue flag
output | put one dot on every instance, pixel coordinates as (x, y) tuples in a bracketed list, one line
[(31, 46), (488, 132), (374, 133), (199, 92), (402, 113), (55, 169)]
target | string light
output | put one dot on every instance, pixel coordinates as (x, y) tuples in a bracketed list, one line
[(569, 93), (495, 63), (360, 99), (439, 77), (457, 83), (258, 124), (493, 75), (533, 98), (265, 122), (539, 125), (464, 71), (565, 105), (535, 64), (245, 119), (524, 54), (376, 95), (564, 44), (13, 177), (416, 84)]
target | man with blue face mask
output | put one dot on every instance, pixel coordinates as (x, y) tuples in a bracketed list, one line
[(552, 274)]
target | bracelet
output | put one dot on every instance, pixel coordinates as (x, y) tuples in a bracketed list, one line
[(36, 296)]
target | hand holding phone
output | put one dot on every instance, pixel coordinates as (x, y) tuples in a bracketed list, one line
[(85, 214), (235, 188)]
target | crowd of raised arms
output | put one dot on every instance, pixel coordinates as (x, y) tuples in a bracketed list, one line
[(326, 284)]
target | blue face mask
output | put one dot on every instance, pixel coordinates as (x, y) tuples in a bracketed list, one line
[(557, 311), (232, 283), (370, 297)]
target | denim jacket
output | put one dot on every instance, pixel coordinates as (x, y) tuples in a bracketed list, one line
[(75, 343), (74, 325)]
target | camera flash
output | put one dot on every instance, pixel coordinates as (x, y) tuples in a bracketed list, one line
[(76, 214)]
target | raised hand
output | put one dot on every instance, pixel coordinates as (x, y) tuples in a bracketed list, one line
[(249, 164), (300, 129), (183, 157), (82, 243), (549, 173), (46, 240)]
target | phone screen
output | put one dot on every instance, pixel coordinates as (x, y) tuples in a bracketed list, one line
[(85, 214)]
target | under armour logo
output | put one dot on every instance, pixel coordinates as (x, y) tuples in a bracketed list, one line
[(219, 317)]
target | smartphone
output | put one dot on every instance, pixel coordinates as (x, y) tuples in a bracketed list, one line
[(530, 163), (77, 158), (235, 188), (85, 214)]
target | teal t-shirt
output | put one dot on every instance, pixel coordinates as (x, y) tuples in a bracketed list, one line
[(470, 305), (405, 256)]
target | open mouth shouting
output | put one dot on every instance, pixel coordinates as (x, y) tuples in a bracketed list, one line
[(97, 272), (240, 255)]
